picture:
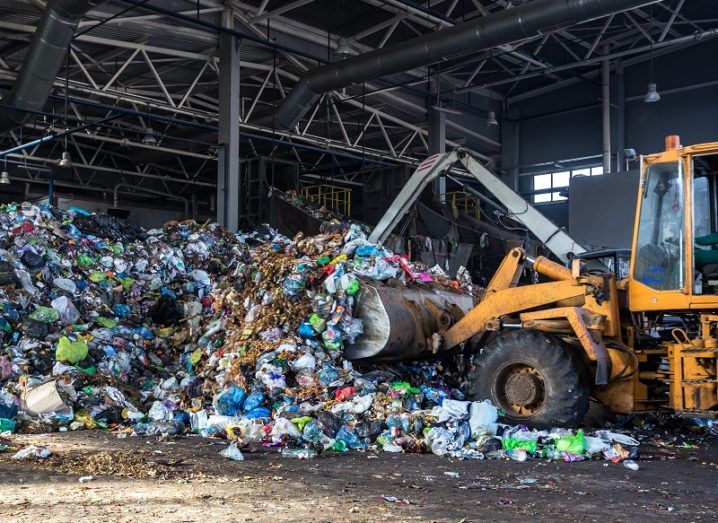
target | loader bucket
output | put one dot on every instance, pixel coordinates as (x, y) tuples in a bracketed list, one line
[(402, 324)]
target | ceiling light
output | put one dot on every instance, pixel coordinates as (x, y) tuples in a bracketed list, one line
[(652, 94), (491, 119), (149, 137), (4, 178), (343, 50), (65, 161)]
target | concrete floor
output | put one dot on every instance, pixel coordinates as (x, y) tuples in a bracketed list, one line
[(146, 479)]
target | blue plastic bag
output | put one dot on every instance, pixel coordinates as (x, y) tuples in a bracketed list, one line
[(254, 400), (229, 402), (306, 330), (436, 396), (349, 436), (259, 412)]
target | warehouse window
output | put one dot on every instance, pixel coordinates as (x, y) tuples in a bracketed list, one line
[(559, 181)]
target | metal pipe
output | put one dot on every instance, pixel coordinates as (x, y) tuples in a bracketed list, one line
[(116, 197), (37, 75), (606, 110), (508, 26), (53, 137)]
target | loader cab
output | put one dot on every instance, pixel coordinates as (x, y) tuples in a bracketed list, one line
[(674, 264)]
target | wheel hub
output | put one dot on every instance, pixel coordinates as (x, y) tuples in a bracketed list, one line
[(522, 389)]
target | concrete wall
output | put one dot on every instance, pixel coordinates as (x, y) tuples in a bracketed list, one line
[(566, 123)]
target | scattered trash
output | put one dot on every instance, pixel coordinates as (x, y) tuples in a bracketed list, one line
[(32, 452), (451, 474), (86, 479), (233, 453), (630, 464), (301, 454), (394, 499)]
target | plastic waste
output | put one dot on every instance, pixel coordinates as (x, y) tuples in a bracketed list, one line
[(32, 452), (301, 454), (574, 444), (630, 464), (71, 351), (232, 452), (482, 418), (230, 402)]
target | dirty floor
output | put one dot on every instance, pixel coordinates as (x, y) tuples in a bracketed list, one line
[(148, 479)]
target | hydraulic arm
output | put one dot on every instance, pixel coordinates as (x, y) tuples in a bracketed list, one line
[(554, 237)]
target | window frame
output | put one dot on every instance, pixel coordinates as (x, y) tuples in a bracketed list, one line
[(553, 191)]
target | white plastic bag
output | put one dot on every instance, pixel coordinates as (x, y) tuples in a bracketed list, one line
[(482, 418), (233, 453), (160, 412), (68, 312), (451, 409)]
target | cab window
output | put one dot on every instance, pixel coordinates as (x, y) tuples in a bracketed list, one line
[(660, 247)]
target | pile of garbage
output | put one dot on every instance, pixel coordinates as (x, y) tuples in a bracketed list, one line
[(95, 312), (190, 328)]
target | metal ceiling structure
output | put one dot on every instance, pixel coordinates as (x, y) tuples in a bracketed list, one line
[(136, 65)]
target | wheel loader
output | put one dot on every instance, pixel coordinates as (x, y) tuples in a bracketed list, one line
[(636, 342)]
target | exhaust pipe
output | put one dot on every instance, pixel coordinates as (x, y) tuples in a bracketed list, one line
[(44, 60), (525, 21)]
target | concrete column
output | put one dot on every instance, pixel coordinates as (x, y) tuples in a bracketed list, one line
[(606, 110), (228, 200), (620, 90), (437, 136), (510, 135)]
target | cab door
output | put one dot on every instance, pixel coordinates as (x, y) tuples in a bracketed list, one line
[(659, 278)]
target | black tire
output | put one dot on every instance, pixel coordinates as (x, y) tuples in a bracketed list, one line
[(533, 377)]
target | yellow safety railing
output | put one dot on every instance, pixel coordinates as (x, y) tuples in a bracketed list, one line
[(338, 199), (464, 203)]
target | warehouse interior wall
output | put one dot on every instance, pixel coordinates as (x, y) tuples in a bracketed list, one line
[(565, 124)]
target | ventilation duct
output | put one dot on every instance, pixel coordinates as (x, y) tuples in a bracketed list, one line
[(44, 60), (511, 25)]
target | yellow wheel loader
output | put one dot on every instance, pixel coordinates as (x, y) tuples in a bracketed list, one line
[(639, 342)]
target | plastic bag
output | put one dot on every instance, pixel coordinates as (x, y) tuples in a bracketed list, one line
[(318, 323), (616, 437), (293, 286), (160, 412), (332, 338), (254, 400), (285, 428), (573, 444), (451, 409), (230, 401), (45, 315), (306, 330), (349, 436), (304, 362), (514, 444), (232, 452), (482, 418), (258, 412), (71, 351), (68, 313), (439, 440)]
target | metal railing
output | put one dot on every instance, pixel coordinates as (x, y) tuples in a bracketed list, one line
[(334, 198), (463, 203)]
